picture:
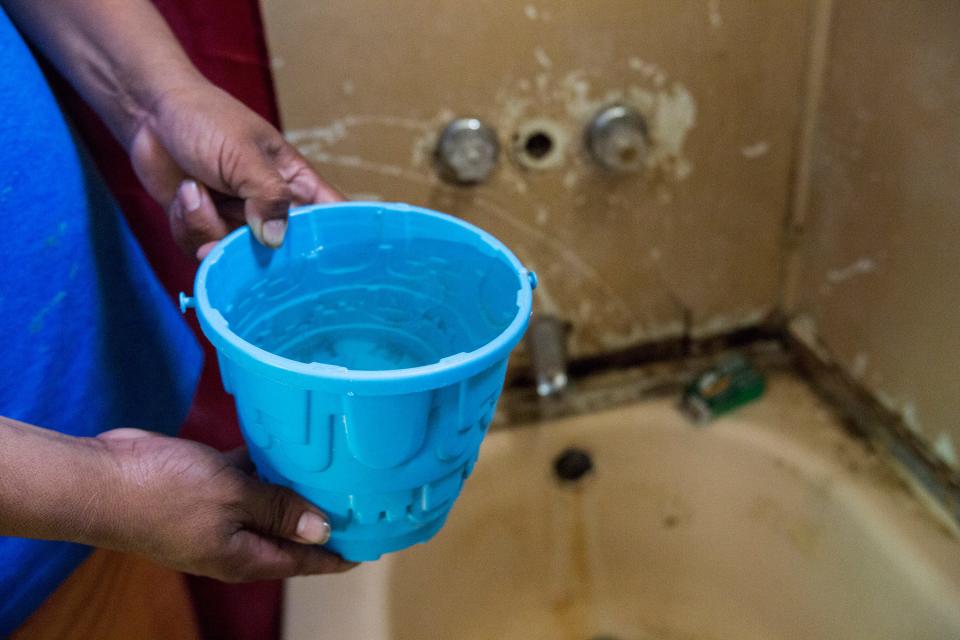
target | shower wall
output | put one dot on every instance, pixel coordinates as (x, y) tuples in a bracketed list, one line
[(692, 242), (877, 274), (801, 157)]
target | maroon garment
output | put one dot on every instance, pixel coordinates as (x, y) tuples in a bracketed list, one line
[(224, 38)]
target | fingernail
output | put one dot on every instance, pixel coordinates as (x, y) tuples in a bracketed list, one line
[(189, 195), (273, 232), (312, 528)]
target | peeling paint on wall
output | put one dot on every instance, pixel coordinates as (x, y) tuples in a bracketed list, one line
[(375, 134), (859, 366), (860, 267), (671, 113), (943, 446), (713, 14), (535, 13), (755, 150), (667, 105), (882, 226), (542, 58)]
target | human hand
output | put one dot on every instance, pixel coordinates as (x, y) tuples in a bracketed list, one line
[(204, 156), (215, 165), (197, 510)]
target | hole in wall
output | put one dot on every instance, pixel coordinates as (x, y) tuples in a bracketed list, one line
[(538, 145)]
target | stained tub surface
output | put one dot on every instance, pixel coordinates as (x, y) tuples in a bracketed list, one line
[(771, 524)]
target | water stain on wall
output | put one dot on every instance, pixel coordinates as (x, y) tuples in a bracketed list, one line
[(689, 243)]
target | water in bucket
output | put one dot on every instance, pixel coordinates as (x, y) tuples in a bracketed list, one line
[(393, 306), (366, 357)]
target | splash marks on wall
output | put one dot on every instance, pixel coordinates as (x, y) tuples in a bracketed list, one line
[(328, 134), (860, 267), (559, 261), (755, 150), (713, 14), (542, 58), (666, 104), (674, 115), (943, 446), (558, 104), (533, 12), (709, 77)]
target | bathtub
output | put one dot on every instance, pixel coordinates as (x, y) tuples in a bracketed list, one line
[(770, 524)]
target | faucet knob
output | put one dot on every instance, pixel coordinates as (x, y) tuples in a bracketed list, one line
[(617, 138), (467, 151)]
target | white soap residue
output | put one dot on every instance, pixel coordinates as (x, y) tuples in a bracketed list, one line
[(542, 58), (649, 70), (859, 365), (755, 150), (910, 418), (713, 14), (861, 266), (943, 447)]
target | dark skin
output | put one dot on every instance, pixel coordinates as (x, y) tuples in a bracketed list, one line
[(254, 178), (181, 503), (213, 165)]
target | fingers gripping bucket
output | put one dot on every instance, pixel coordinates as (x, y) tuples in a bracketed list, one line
[(366, 356)]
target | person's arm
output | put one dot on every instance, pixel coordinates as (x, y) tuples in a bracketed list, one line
[(212, 162), (179, 502)]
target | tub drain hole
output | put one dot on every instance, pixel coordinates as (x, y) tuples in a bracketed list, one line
[(572, 464)]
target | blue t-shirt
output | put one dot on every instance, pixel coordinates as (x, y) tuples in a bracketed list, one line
[(90, 341)]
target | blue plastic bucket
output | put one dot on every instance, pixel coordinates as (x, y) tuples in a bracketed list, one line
[(366, 356)]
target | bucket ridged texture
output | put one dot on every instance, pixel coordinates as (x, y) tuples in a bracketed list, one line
[(366, 357)]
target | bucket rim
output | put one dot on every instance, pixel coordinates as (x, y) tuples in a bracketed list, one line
[(366, 382)]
